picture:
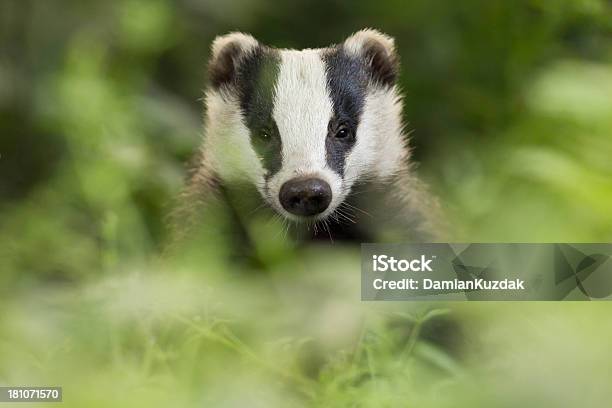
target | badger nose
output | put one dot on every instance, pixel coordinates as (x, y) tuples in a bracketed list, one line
[(305, 197)]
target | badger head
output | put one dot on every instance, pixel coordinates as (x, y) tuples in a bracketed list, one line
[(304, 126)]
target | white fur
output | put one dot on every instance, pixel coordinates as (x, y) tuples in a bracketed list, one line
[(228, 144), (245, 41), (302, 110), (380, 147), (354, 44)]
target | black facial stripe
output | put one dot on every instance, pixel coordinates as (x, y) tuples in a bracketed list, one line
[(347, 79), (255, 82)]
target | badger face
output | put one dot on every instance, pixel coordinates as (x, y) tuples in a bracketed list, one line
[(304, 126)]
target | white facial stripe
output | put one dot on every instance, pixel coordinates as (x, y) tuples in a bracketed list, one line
[(302, 110), (380, 148), (227, 144)]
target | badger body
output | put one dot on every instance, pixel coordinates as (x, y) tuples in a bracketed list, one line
[(304, 129)]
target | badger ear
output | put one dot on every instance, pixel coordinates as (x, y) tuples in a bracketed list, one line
[(378, 50), (228, 52)]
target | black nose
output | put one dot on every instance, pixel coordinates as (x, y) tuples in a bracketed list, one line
[(305, 196)]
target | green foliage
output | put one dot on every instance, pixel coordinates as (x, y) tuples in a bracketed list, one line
[(510, 109)]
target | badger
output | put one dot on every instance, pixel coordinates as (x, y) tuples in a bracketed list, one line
[(317, 134)]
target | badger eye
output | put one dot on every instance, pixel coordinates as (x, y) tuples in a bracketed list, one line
[(343, 133), (265, 134)]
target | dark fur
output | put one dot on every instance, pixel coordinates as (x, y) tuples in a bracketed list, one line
[(347, 81)]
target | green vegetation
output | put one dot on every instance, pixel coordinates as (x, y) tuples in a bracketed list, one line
[(510, 103)]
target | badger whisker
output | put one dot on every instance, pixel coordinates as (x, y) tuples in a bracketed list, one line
[(259, 207), (326, 225), (286, 228), (344, 215), (279, 221), (354, 207)]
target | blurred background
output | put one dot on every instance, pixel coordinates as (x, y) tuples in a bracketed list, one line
[(510, 110)]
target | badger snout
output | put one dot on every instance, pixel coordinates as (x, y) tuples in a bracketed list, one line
[(305, 196)]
